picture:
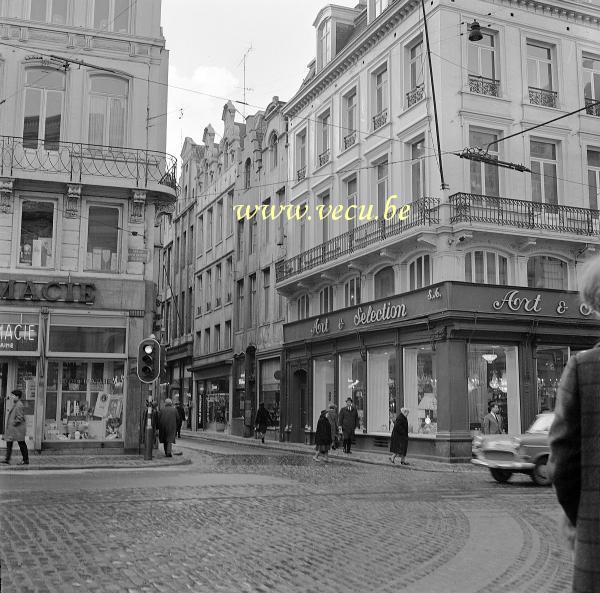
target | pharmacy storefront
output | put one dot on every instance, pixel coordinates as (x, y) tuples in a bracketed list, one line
[(446, 353)]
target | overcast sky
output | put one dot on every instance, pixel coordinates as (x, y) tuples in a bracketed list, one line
[(207, 40)]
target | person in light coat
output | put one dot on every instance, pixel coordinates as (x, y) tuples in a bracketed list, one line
[(15, 428)]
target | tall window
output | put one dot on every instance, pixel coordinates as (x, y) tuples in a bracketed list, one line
[(44, 92), (546, 272), (593, 161), (273, 150), (207, 340), (253, 229), (482, 66), (419, 272), (540, 75), (351, 200), (591, 82), (209, 229), (267, 222), (301, 155), (240, 304), (228, 279), (227, 334), (382, 187), (381, 90), (229, 214), (217, 337), (218, 285), (416, 65), (302, 230), (326, 300), (384, 283), (200, 235), (266, 278), (219, 222), (324, 130), (240, 239), (484, 176), (191, 244), (352, 292), (183, 251), (302, 304), (111, 15), (49, 11), (247, 170), (486, 267), (103, 239), (325, 42), (325, 202), (543, 172), (108, 108), (349, 117), (209, 289), (417, 169), (36, 247), (380, 6), (252, 300)]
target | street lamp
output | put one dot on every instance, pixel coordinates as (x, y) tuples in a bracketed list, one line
[(475, 32)]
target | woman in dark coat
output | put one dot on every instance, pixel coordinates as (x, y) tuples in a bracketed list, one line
[(262, 420), (399, 440), (180, 417), (323, 437), (167, 426)]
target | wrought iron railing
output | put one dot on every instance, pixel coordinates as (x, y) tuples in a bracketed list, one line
[(593, 107), (543, 97), (350, 140), (380, 119), (324, 158), (415, 95), (423, 212), (74, 161), (484, 86), (523, 214), (301, 174)]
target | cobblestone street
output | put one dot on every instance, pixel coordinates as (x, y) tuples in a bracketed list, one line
[(263, 520)]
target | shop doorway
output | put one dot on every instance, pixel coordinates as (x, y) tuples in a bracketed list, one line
[(298, 405)]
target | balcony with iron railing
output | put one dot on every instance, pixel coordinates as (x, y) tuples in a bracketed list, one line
[(415, 95), (301, 173), (423, 213), (543, 97), (324, 157), (380, 119), (75, 162), (350, 140), (592, 106), (484, 86), (523, 214)]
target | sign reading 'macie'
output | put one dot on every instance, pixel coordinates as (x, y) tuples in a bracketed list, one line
[(26, 290), (18, 337)]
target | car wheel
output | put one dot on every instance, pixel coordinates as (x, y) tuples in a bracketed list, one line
[(540, 472), (501, 475)]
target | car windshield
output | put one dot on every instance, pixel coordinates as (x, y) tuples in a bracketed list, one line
[(542, 423)]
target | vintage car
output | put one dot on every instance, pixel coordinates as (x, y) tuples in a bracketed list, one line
[(525, 454)]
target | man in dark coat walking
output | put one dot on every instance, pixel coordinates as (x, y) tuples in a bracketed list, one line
[(15, 428), (348, 419), (399, 438), (167, 426), (180, 417), (262, 421)]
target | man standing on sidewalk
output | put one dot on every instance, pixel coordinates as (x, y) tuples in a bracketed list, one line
[(15, 428), (348, 419)]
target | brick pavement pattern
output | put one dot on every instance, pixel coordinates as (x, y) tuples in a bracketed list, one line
[(275, 521)]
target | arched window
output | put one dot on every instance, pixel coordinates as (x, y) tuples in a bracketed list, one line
[(108, 110), (247, 168), (273, 149), (326, 300), (419, 272), (486, 267), (546, 272), (384, 283), (302, 305)]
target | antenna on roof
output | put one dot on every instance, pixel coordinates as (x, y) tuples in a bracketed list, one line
[(244, 87)]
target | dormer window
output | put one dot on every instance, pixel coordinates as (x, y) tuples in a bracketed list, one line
[(325, 43), (380, 6)]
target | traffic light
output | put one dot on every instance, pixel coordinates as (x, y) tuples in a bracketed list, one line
[(149, 360)]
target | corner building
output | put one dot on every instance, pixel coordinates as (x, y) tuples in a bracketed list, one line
[(83, 177), (472, 298)]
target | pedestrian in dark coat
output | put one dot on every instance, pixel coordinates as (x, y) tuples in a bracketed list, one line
[(153, 419), (262, 421), (332, 416), (348, 419), (574, 464), (322, 437), (180, 417), (15, 428), (399, 438), (167, 426)]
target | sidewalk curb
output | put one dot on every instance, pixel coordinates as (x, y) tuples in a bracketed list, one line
[(55, 467)]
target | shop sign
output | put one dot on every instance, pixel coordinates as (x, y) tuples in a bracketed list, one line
[(26, 290), (515, 303), (18, 337), (383, 313), (320, 327), (137, 255)]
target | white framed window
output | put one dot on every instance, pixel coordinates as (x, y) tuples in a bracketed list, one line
[(540, 74), (323, 138), (486, 267), (37, 232), (351, 200), (416, 64), (252, 300), (107, 124), (209, 229), (42, 117), (381, 180), (209, 289), (302, 306), (544, 166), (266, 282), (219, 222), (217, 337), (482, 66), (326, 204), (111, 15), (349, 118), (218, 285), (385, 283), (301, 155), (352, 292), (379, 6), (593, 163), (103, 252), (325, 42), (380, 96), (326, 300), (484, 176), (240, 304), (417, 169), (420, 272), (49, 11), (591, 82), (546, 272)]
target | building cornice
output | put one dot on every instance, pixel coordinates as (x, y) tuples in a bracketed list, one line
[(565, 9)]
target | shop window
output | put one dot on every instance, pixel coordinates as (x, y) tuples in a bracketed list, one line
[(49, 11), (26, 380), (352, 292), (108, 110), (420, 272), (420, 389), (546, 272), (36, 246), (326, 300), (44, 90), (381, 386), (101, 340), (384, 283), (493, 378), (324, 392), (269, 391), (353, 384), (486, 267), (217, 403), (84, 401), (103, 239), (550, 362), (303, 307), (111, 15)]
